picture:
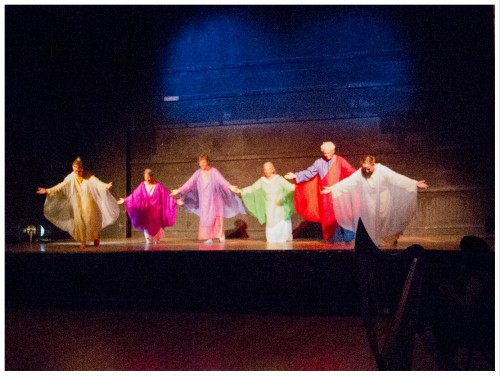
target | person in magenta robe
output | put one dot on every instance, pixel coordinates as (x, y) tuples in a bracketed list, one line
[(151, 208), (210, 196), (310, 203)]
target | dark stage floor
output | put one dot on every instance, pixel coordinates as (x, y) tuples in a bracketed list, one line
[(436, 243)]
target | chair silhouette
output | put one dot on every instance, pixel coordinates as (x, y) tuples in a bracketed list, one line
[(395, 351)]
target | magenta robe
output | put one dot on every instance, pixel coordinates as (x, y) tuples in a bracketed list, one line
[(151, 212)]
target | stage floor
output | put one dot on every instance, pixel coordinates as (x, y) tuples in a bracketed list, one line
[(436, 243)]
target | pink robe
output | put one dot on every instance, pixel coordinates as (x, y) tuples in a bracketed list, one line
[(151, 212)]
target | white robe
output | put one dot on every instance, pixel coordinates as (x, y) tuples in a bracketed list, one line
[(385, 202), (82, 209)]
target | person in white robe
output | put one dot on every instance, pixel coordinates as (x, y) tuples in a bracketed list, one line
[(270, 200), (383, 199), (81, 205)]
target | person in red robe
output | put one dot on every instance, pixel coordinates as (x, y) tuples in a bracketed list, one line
[(310, 203)]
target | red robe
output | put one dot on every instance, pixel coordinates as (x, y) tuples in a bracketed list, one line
[(316, 207)]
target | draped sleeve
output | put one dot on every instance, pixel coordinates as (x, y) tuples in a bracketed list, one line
[(347, 200), (398, 201), (288, 191), (254, 199), (231, 202), (168, 206), (57, 207), (134, 204), (189, 194), (105, 201)]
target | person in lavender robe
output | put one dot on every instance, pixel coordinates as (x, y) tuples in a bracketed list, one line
[(151, 208), (383, 199), (270, 200), (210, 196), (309, 202)]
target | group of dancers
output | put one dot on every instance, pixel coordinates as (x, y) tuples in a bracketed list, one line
[(331, 192)]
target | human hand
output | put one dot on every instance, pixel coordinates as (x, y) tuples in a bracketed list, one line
[(422, 184), (120, 201), (290, 176), (41, 191), (326, 190), (174, 192), (109, 185)]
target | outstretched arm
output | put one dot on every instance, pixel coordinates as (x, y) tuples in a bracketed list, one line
[(55, 188)]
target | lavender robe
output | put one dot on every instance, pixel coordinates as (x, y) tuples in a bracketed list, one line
[(210, 199), (151, 213)]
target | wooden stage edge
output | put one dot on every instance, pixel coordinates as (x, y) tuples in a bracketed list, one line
[(434, 243)]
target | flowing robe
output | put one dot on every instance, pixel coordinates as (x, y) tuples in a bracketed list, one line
[(271, 202), (81, 206), (309, 202), (151, 211), (385, 202), (207, 195)]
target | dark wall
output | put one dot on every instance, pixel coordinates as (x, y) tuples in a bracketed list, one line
[(129, 87)]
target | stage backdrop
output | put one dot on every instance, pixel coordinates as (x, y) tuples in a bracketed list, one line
[(135, 87), (246, 87)]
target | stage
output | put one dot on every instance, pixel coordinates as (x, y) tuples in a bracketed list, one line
[(243, 275), (431, 243)]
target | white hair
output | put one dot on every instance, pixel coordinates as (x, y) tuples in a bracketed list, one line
[(328, 145)]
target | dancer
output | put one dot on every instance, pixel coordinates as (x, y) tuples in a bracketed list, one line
[(150, 208), (270, 200), (313, 206), (383, 199), (81, 205), (212, 198)]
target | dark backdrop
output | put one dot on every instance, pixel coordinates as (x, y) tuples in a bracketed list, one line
[(129, 87)]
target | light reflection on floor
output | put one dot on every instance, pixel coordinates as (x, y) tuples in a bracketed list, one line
[(444, 243)]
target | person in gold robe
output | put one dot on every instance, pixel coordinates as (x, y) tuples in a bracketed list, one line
[(81, 205)]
